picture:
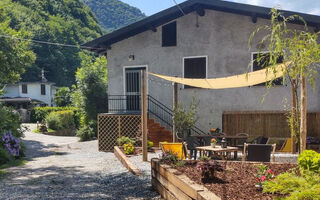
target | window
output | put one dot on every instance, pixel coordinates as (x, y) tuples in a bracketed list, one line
[(43, 89), (24, 88), (262, 63), (195, 67), (169, 35)]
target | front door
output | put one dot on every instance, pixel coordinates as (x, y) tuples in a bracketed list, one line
[(133, 88)]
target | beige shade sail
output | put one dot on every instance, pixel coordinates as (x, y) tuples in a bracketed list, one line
[(242, 80)]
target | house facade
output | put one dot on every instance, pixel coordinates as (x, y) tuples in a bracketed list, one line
[(208, 40), (40, 93)]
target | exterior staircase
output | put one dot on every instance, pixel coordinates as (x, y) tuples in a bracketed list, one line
[(158, 133)]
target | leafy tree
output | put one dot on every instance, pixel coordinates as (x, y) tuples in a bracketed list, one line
[(300, 50), (15, 55), (62, 97), (91, 87), (114, 14), (57, 21)]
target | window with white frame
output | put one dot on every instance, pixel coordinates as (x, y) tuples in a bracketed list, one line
[(194, 67), (261, 61)]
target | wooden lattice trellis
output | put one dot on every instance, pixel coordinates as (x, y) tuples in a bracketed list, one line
[(111, 127)]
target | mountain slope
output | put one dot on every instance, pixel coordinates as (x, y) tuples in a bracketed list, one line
[(58, 21), (114, 14)]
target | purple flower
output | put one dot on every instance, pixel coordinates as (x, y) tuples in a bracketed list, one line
[(11, 143)]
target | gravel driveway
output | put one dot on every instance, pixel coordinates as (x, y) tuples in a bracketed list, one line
[(62, 168)]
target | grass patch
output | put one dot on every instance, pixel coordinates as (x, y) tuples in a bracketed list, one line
[(49, 130), (14, 163), (2, 173)]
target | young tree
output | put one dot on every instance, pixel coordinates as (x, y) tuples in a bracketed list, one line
[(90, 94), (62, 97), (300, 50)]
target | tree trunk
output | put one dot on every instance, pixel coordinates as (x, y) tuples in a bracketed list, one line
[(294, 116), (303, 122)]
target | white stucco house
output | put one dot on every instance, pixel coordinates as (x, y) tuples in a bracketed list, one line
[(198, 39), (24, 93)]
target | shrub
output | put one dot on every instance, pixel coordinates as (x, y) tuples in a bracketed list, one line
[(10, 121), (128, 148), (207, 169), (85, 133), (124, 140), (39, 113), (296, 187), (60, 120), (150, 144), (170, 157), (53, 121), (264, 174), (309, 160)]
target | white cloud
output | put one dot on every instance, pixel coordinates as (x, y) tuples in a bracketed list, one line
[(304, 6)]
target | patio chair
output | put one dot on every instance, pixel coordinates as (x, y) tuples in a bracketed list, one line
[(259, 140), (258, 152), (240, 142), (192, 144), (175, 148), (286, 147)]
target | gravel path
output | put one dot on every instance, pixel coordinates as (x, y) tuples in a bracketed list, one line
[(62, 168)]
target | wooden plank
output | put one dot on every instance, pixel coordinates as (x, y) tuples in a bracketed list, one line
[(170, 187), (161, 190), (207, 195), (144, 115), (179, 181), (125, 161)]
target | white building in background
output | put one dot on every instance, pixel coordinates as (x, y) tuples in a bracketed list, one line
[(24, 93)]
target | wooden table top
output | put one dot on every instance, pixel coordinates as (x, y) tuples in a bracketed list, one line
[(231, 136), (217, 148)]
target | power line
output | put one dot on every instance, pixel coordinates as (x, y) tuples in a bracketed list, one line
[(179, 7), (51, 43)]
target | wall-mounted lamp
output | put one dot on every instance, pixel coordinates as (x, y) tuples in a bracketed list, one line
[(131, 57)]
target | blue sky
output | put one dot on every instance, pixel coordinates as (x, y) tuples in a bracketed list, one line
[(150, 7)]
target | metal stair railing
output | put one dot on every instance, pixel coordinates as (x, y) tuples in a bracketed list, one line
[(130, 104)]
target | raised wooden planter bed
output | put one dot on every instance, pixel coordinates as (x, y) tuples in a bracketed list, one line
[(125, 161), (171, 184)]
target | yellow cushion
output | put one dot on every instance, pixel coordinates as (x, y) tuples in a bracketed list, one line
[(287, 146)]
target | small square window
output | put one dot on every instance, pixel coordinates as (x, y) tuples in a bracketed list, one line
[(169, 35), (43, 89), (262, 63), (195, 68), (24, 88)]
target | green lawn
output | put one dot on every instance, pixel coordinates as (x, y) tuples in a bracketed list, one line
[(49, 130)]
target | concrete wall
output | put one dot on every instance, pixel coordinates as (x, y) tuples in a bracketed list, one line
[(223, 37)]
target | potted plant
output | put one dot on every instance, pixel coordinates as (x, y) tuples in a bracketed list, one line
[(185, 119), (213, 143)]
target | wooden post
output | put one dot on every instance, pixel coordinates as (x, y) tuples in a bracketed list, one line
[(303, 122), (294, 116), (144, 116), (175, 105)]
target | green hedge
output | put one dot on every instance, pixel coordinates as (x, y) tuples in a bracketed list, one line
[(40, 113), (60, 120)]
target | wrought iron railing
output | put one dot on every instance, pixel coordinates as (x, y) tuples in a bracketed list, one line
[(161, 113)]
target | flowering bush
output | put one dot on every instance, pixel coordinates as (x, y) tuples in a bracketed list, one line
[(264, 174), (12, 144), (128, 148)]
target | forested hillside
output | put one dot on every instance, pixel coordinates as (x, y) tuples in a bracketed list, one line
[(59, 21), (114, 14)]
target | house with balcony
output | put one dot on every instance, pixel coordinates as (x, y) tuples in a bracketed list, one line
[(197, 39)]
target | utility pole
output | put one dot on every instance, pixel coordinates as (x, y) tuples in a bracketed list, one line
[(144, 116)]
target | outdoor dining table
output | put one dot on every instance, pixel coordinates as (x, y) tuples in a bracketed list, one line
[(233, 138), (223, 153)]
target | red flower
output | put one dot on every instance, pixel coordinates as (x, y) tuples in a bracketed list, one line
[(263, 178), (269, 171)]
